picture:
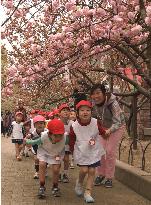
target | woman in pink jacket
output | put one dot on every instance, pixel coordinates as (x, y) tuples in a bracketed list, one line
[(107, 110)]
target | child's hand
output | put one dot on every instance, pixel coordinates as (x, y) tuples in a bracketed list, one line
[(107, 134), (28, 136)]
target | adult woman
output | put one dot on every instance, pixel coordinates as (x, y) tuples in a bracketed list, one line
[(107, 109)]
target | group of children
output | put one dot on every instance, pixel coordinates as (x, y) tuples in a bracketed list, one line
[(52, 141)]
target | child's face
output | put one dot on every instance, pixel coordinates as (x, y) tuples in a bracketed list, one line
[(65, 113), (19, 118), (27, 127), (39, 126), (84, 113), (72, 115), (56, 137)]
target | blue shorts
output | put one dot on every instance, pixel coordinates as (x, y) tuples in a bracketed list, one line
[(67, 152), (96, 164), (17, 141)]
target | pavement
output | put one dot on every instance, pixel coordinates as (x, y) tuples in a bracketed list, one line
[(19, 188)]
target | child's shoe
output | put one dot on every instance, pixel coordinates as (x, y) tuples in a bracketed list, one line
[(71, 165), (78, 188), (36, 176), (108, 183), (65, 178), (99, 180), (56, 192), (88, 198), (41, 193), (18, 158), (27, 155)]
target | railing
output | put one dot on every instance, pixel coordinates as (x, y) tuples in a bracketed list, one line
[(143, 147)]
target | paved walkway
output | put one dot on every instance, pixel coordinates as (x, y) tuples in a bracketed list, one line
[(19, 187)]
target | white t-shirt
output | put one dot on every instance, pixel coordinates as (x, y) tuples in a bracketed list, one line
[(17, 132), (47, 151)]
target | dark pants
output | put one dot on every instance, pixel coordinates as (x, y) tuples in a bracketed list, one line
[(2, 128), (5, 130)]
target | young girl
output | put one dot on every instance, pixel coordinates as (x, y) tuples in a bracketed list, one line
[(39, 124), (64, 113), (27, 127), (84, 140), (51, 150), (17, 131), (72, 117)]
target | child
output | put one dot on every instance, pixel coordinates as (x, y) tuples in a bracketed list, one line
[(72, 115), (33, 113), (51, 151), (73, 118), (84, 140), (64, 113), (27, 127), (17, 132), (39, 124)]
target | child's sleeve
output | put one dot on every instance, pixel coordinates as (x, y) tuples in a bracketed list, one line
[(72, 139), (101, 128), (33, 142)]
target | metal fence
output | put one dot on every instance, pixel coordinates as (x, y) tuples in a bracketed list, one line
[(127, 153)]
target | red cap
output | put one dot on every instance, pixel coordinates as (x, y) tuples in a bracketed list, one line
[(41, 112), (39, 118), (19, 113), (33, 112), (56, 126), (50, 114), (83, 103), (55, 112), (63, 106)]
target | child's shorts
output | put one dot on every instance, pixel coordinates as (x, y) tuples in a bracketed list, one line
[(67, 152), (17, 141), (96, 164)]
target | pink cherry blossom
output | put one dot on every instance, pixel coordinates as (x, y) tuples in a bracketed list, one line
[(9, 4), (118, 20), (136, 30), (86, 47), (31, 40), (148, 10), (148, 21), (70, 6), (100, 12), (45, 63), (131, 15)]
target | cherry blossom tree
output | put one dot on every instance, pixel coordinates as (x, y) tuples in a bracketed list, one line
[(48, 36)]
